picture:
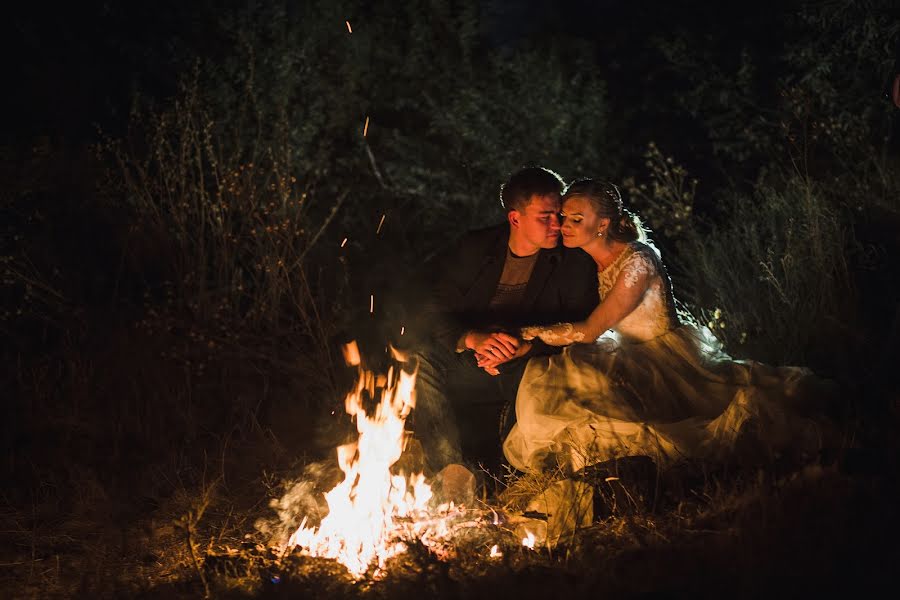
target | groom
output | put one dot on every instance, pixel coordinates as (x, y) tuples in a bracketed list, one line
[(490, 283)]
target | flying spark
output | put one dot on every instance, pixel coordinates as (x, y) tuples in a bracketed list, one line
[(366, 127), (349, 29), (380, 223), (344, 243), (371, 303)]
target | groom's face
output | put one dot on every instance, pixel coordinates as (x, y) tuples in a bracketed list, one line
[(538, 225)]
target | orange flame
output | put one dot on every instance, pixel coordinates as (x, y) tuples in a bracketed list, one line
[(360, 529), (372, 512)]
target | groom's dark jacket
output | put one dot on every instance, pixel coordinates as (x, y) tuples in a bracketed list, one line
[(562, 287)]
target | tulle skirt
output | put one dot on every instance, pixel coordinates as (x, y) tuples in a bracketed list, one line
[(676, 396)]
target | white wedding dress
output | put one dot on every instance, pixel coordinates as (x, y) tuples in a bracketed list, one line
[(655, 386)]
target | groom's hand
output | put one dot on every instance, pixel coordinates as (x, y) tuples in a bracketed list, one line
[(497, 345), (490, 364)]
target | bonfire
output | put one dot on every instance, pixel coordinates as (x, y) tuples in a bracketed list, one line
[(374, 513)]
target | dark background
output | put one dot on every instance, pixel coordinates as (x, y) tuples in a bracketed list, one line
[(178, 180)]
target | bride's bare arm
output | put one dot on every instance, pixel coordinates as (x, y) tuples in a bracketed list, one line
[(624, 297)]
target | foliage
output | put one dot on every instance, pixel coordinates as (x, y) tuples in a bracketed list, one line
[(775, 271), (309, 145), (819, 95), (666, 200), (790, 252), (235, 234), (838, 73), (777, 266), (449, 116)]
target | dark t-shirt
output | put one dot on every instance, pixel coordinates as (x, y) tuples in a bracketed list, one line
[(511, 287)]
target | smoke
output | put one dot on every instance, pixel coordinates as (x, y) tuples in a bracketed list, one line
[(304, 497)]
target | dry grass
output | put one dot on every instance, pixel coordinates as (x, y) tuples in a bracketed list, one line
[(741, 534), (223, 229)]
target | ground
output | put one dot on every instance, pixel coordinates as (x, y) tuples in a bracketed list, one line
[(176, 517)]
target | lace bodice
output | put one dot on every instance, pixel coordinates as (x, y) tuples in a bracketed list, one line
[(656, 312), (636, 302)]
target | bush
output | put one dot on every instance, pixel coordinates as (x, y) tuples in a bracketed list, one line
[(234, 227), (787, 271), (777, 268)]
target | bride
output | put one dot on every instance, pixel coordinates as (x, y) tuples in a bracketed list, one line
[(636, 378)]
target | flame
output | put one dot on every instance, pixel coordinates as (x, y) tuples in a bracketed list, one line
[(528, 541), (362, 528), (373, 512)]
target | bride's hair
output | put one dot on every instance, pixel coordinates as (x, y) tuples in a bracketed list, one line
[(606, 200)]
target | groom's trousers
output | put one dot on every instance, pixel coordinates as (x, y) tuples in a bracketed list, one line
[(457, 418)]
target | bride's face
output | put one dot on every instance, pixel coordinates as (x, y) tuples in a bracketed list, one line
[(580, 224)]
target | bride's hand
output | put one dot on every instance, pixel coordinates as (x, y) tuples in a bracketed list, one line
[(490, 363), (490, 370)]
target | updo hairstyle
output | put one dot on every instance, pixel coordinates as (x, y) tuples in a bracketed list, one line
[(605, 199)]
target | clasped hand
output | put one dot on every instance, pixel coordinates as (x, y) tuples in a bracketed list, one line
[(492, 349)]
